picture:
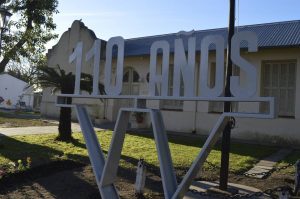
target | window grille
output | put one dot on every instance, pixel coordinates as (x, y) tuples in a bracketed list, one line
[(173, 104), (279, 80)]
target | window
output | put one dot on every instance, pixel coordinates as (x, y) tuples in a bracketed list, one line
[(278, 80), (131, 76), (130, 86), (130, 82), (173, 104), (218, 107)]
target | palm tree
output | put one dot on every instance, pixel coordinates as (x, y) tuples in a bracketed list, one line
[(59, 80)]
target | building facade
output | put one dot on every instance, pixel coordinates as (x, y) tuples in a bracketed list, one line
[(15, 93), (278, 70)]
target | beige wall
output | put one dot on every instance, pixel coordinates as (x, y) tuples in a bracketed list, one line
[(280, 130), (59, 55)]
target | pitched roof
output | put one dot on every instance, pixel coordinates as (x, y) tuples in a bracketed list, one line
[(270, 35), (3, 74)]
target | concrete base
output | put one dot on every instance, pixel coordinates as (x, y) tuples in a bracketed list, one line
[(203, 186)]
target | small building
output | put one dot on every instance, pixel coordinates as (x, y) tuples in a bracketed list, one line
[(15, 93), (278, 69)]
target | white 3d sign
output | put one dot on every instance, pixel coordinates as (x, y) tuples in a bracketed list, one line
[(184, 75), (184, 66)]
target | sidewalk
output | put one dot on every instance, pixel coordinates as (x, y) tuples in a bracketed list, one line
[(37, 130)]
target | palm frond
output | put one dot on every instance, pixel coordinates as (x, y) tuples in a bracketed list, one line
[(57, 78)]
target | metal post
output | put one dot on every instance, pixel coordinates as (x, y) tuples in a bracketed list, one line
[(227, 105), (140, 177), (1, 32)]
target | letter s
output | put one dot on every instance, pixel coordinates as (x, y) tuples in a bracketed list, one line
[(251, 73)]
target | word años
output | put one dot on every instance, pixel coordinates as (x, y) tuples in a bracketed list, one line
[(184, 65)]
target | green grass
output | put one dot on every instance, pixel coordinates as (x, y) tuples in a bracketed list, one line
[(290, 159), (20, 120), (42, 149)]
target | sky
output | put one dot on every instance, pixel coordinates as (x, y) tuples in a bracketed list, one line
[(139, 18)]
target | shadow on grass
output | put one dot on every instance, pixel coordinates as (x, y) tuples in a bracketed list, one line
[(44, 166), (75, 184), (68, 183), (14, 150), (13, 179), (77, 143), (60, 179), (293, 157)]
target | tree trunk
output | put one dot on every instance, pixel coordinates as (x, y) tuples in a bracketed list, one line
[(64, 127)]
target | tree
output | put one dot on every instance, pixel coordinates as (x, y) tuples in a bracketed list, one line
[(27, 69), (59, 80), (31, 30)]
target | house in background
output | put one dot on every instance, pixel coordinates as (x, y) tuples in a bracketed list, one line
[(278, 71), (15, 93)]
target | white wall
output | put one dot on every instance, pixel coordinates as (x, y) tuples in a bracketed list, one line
[(279, 130), (11, 89), (28, 97)]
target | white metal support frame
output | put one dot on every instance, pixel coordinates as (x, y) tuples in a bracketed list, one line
[(162, 146), (106, 171)]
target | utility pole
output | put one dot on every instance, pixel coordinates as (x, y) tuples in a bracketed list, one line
[(227, 105)]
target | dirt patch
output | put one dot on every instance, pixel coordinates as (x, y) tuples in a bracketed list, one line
[(75, 180), (40, 171)]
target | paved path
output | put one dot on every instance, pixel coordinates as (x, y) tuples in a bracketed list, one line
[(36, 130), (211, 188), (267, 164)]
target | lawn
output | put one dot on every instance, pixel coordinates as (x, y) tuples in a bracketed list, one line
[(21, 120), (42, 149), (290, 159)]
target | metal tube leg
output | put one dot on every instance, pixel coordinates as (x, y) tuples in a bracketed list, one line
[(115, 149), (164, 155), (94, 150)]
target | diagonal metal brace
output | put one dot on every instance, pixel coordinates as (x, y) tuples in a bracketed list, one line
[(199, 161), (95, 153)]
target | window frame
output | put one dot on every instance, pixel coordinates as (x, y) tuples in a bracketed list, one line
[(164, 103), (262, 86)]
